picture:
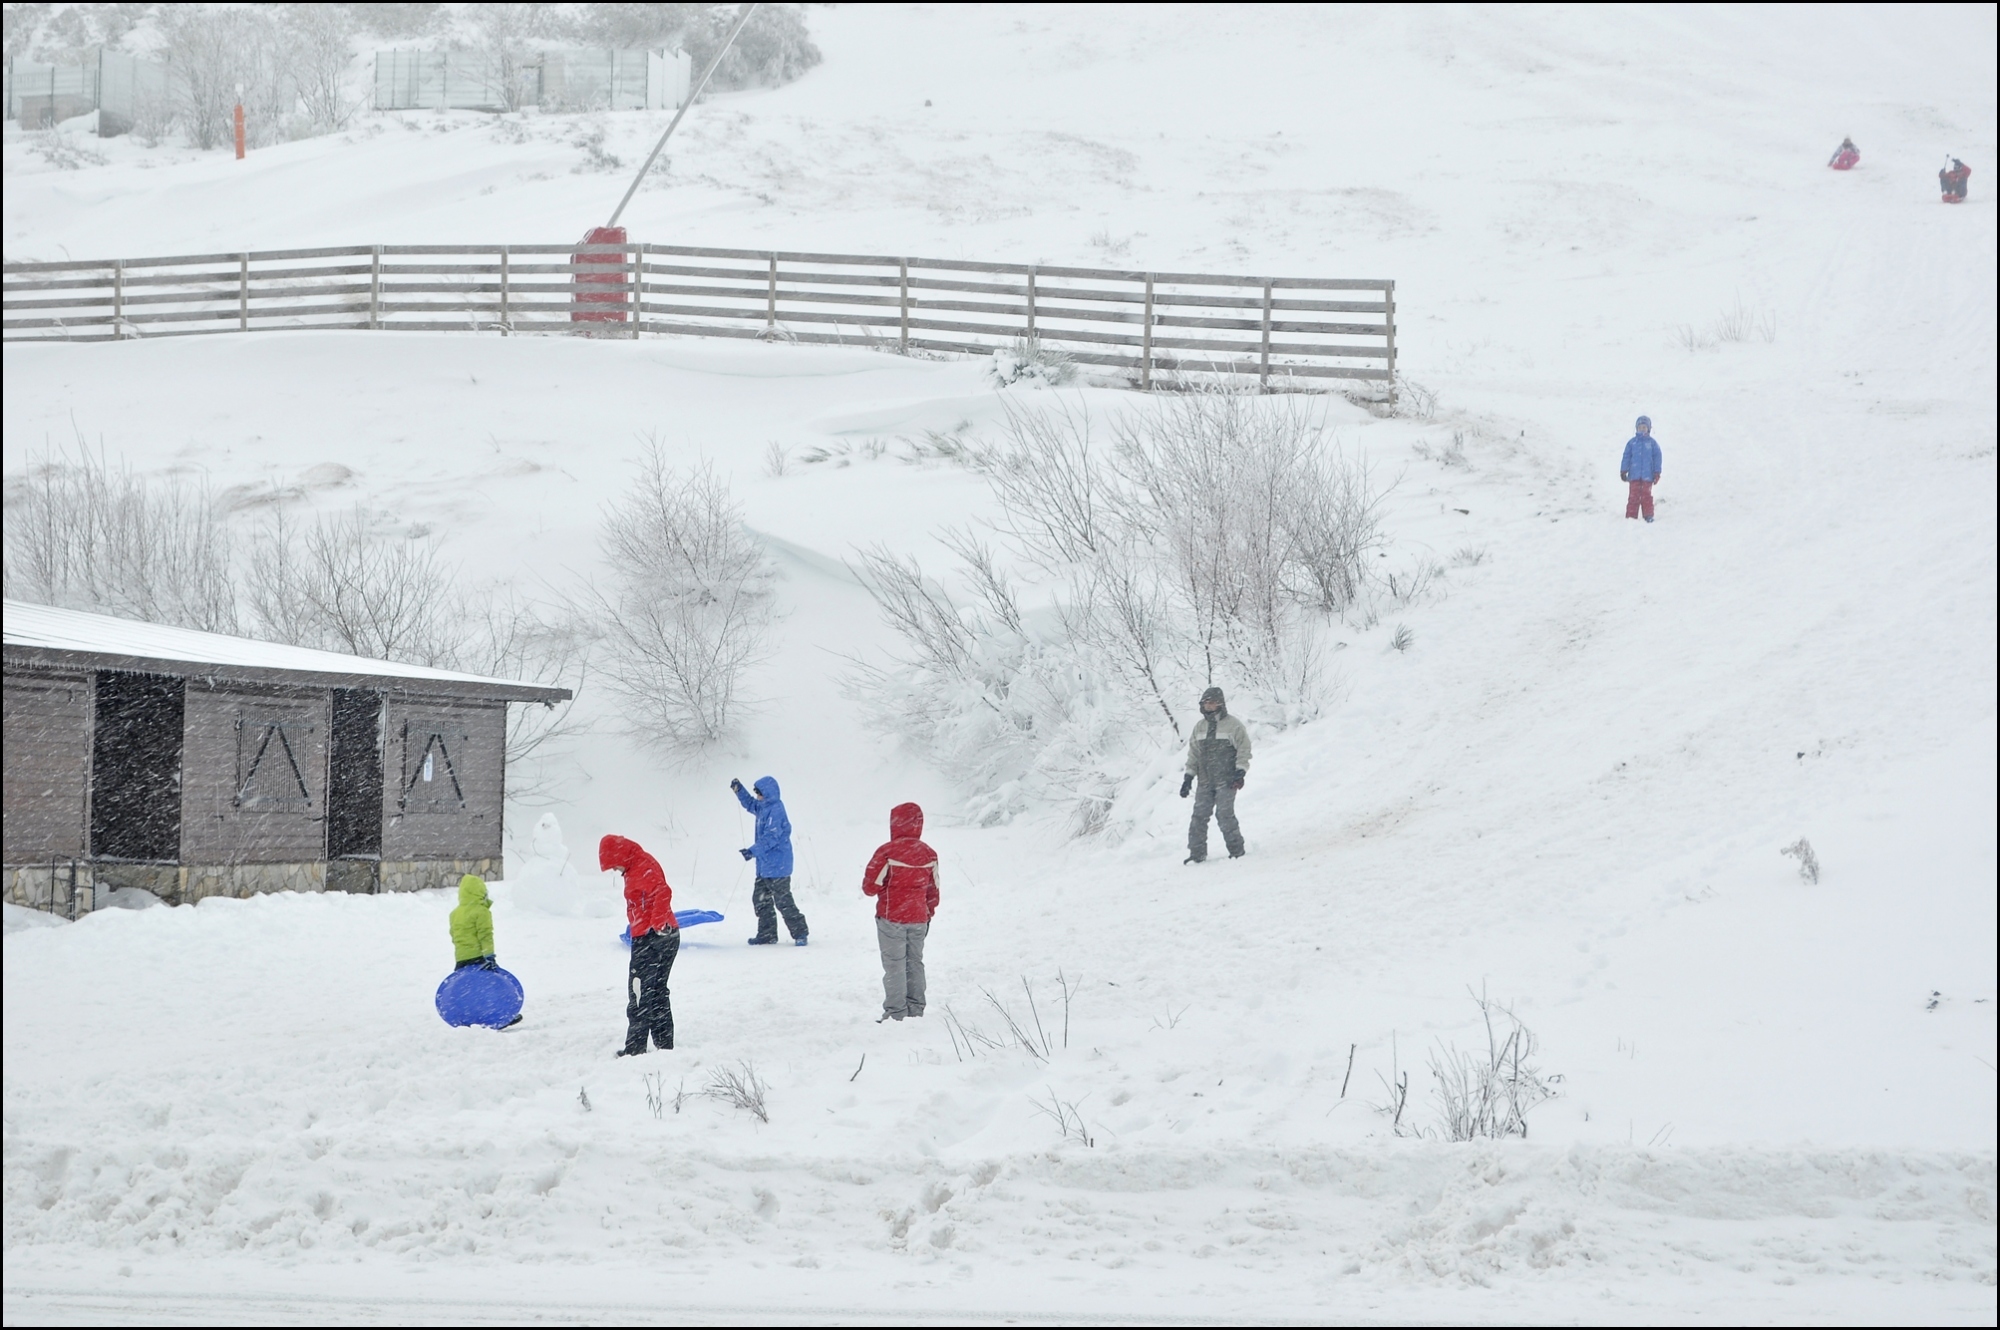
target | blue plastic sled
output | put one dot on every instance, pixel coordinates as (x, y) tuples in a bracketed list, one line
[(684, 918), (473, 996)]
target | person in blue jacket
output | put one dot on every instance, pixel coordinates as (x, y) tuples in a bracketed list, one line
[(772, 895), (1640, 470)]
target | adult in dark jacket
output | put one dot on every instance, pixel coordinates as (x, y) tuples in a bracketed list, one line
[(1218, 761), (902, 876), (656, 940), (1640, 470), (771, 895), (1951, 181)]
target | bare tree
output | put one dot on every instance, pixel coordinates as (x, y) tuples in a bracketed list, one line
[(691, 605), (85, 535), (505, 31), (321, 42)]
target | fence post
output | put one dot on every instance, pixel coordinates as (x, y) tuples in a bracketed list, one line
[(374, 286), (1146, 361), (243, 294), (903, 268), (771, 305), (638, 279), (1264, 365), (1389, 301), (1031, 304), (506, 315), (118, 300)]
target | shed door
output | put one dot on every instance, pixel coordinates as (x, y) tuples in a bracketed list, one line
[(354, 787), (135, 767)]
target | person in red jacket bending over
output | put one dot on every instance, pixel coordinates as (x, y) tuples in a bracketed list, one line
[(903, 878), (656, 940)]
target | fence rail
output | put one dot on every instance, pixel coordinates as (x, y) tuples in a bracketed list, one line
[(1158, 326)]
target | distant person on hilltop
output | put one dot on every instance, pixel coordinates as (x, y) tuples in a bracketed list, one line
[(1640, 469), (902, 876), (1952, 181), (1218, 761), (656, 940), (1845, 157), (771, 895)]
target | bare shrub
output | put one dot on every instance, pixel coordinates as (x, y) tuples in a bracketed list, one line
[(1052, 485), (350, 583), (1030, 361), (1067, 1116), (739, 1087), (773, 47), (214, 51), (690, 609), (320, 41), (777, 460), (1488, 1095), (1802, 850), (1402, 639), (1740, 322), (86, 535)]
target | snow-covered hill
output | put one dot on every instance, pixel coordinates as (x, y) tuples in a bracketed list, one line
[(1777, 1099)]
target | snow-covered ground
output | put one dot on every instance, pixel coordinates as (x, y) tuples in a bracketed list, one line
[(1778, 1100)]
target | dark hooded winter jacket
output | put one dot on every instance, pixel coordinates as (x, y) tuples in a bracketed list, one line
[(773, 846), (902, 875), (649, 901), (1219, 745)]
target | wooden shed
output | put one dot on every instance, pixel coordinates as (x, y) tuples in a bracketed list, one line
[(195, 764)]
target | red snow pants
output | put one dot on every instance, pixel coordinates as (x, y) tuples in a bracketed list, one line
[(1639, 499)]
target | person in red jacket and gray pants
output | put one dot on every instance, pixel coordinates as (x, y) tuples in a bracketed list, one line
[(656, 940), (903, 878)]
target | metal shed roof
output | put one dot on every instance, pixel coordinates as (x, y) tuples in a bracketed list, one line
[(45, 635)]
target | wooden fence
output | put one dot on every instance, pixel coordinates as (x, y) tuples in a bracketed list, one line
[(1160, 327)]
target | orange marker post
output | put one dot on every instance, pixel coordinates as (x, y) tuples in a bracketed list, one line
[(239, 131)]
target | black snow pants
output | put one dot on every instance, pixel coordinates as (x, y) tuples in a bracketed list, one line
[(648, 1004), (771, 897), (1219, 798)]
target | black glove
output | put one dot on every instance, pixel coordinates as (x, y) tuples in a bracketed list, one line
[(747, 853), (736, 784), (489, 962), (1241, 776), (1187, 783)]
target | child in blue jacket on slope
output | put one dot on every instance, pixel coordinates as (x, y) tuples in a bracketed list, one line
[(772, 894), (1640, 470)]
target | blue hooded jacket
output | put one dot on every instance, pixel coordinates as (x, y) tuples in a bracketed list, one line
[(774, 829), (1642, 459)]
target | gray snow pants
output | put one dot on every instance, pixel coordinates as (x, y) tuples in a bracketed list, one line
[(902, 967), (1220, 799)]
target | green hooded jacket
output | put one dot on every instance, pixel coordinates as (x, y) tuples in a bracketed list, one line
[(472, 921)]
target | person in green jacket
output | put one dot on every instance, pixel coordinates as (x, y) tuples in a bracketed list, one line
[(472, 926), (472, 930)]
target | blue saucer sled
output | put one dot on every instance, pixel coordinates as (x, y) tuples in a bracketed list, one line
[(684, 918), (473, 996)]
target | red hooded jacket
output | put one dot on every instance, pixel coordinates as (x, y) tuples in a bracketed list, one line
[(903, 874), (649, 901)]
